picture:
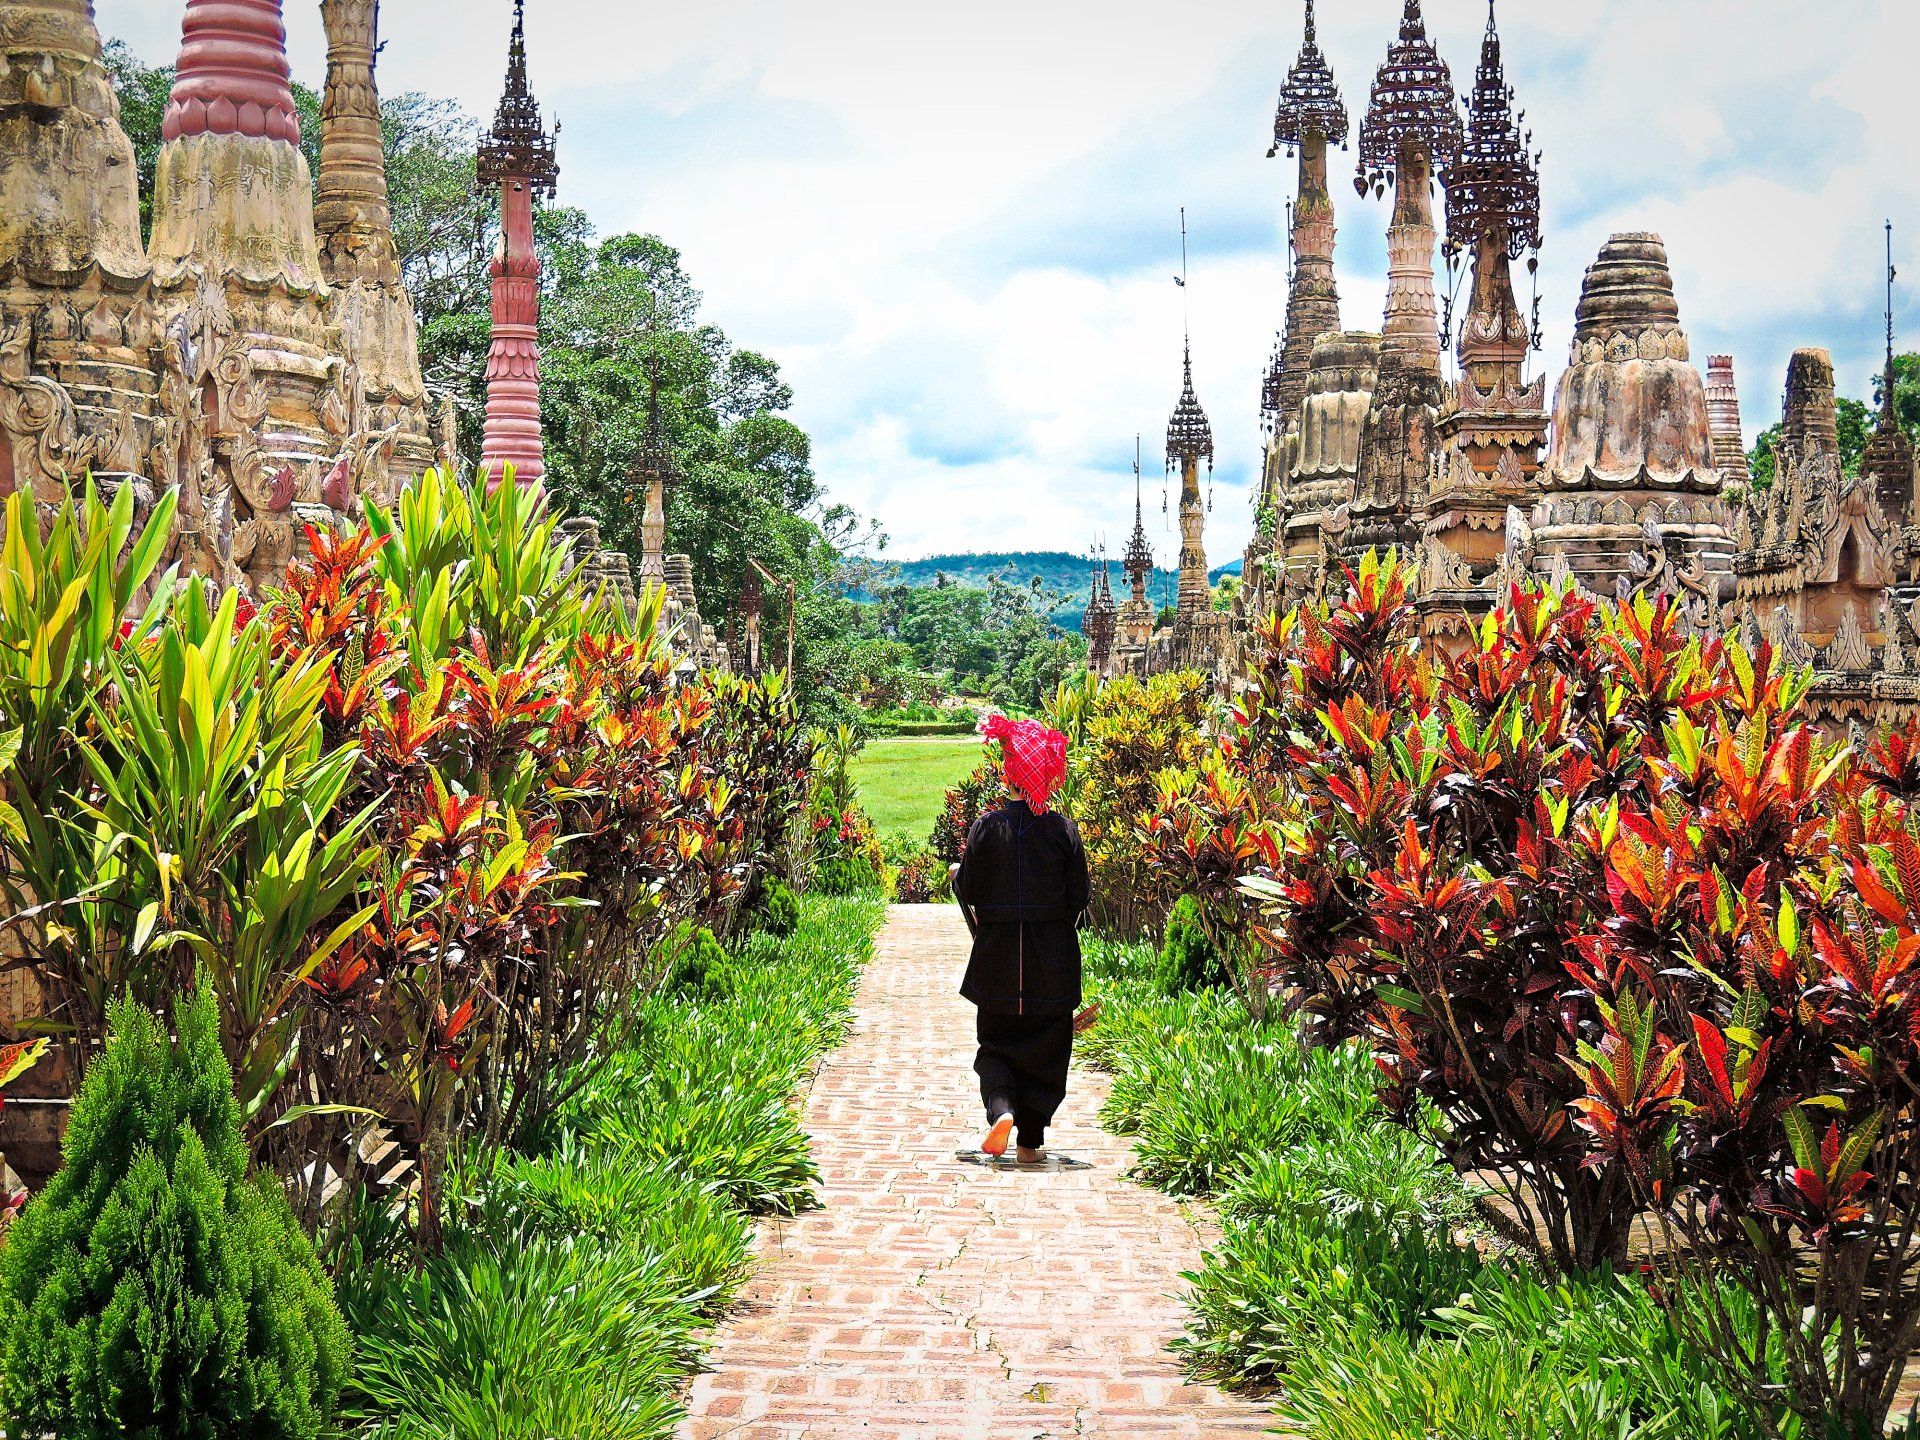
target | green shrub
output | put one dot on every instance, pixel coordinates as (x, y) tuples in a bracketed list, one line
[(1115, 965), (707, 1097), (778, 910), (1136, 1022), (1189, 960), (1379, 1169), (155, 1289), (1517, 1357), (697, 963)]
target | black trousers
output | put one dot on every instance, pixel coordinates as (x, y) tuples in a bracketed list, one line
[(1022, 1067)]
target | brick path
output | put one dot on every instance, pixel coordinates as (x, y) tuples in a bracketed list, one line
[(933, 1297)]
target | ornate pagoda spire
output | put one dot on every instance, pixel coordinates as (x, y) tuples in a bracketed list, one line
[(238, 278), (232, 77), (354, 224), (1310, 117), (1494, 424), (232, 193), (1493, 210), (653, 470), (752, 610), (1412, 127), (517, 157), (1137, 564), (1189, 441), (1098, 624)]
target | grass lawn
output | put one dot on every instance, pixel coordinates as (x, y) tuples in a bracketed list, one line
[(904, 781)]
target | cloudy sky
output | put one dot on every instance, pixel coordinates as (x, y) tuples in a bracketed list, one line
[(956, 226)]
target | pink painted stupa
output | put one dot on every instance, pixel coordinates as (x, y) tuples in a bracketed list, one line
[(518, 158), (232, 77)]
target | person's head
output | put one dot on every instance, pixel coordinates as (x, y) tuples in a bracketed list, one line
[(1033, 758)]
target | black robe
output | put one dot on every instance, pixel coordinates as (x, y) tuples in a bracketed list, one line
[(1023, 887)]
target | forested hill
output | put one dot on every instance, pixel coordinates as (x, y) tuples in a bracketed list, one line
[(1070, 575)]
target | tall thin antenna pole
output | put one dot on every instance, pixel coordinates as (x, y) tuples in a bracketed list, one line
[(1186, 320), (1890, 278), (1886, 401)]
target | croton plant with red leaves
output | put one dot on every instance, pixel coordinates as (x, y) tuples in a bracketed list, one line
[(1627, 932), (542, 820)]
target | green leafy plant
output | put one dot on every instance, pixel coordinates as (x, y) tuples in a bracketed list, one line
[(155, 1288)]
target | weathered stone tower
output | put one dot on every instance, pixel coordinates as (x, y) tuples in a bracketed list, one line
[(77, 333), (237, 276), (1326, 460), (1631, 496), (354, 226), (518, 160)]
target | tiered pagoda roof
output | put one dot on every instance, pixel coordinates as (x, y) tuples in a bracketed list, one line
[(1412, 103), (1493, 183), (519, 147), (1310, 101), (1189, 433)]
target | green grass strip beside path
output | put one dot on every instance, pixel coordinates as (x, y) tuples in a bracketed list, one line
[(580, 1279)]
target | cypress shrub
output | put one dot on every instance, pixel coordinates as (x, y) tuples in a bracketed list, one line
[(778, 912), (1189, 960), (156, 1290)]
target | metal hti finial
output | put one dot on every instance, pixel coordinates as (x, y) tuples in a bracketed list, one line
[(1412, 105), (519, 147), (1493, 179), (654, 460), (1310, 101)]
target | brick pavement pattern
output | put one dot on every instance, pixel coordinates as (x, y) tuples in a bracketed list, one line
[(934, 1296)]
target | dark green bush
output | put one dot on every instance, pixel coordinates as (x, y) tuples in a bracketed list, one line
[(778, 911), (697, 963), (155, 1289), (1189, 960), (843, 875)]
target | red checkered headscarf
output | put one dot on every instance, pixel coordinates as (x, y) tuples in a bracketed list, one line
[(1033, 755)]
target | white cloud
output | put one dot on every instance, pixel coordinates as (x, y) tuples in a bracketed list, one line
[(955, 227)]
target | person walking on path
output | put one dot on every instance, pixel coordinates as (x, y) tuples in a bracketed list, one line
[(1022, 886)]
